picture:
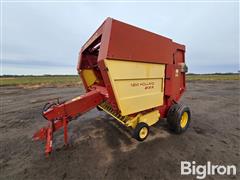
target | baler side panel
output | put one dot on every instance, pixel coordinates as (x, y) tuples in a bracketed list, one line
[(137, 86)]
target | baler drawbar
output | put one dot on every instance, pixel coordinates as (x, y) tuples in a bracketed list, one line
[(134, 75), (59, 115)]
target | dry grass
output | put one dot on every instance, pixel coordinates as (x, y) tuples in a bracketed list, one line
[(74, 80), (40, 81)]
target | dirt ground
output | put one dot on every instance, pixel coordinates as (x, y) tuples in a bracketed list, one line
[(100, 148)]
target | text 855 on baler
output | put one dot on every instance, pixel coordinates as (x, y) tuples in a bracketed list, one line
[(134, 75)]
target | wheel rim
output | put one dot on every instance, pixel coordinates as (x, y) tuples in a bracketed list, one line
[(143, 132), (184, 120)]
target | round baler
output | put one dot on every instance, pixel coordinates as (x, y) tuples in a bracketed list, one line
[(134, 75)]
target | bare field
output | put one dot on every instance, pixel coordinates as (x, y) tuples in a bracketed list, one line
[(100, 148)]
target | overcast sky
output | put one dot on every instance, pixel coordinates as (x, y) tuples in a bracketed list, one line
[(45, 38)]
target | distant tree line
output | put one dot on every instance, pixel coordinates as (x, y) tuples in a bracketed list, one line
[(228, 73), (49, 75), (45, 75)]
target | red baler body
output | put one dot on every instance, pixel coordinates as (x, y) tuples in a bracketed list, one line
[(119, 41)]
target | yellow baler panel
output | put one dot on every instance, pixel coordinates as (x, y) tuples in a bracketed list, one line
[(137, 86), (89, 76)]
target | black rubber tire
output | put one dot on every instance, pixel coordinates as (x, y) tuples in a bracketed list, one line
[(136, 131), (174, 118)]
